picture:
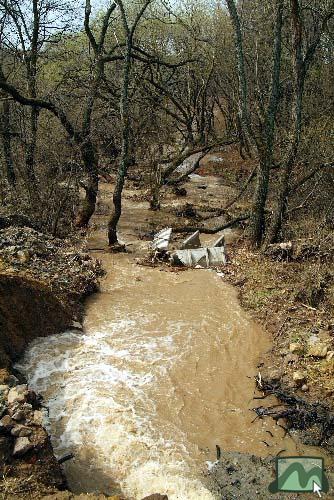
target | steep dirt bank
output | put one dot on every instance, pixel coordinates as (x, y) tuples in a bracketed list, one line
[(43, 281), (28, 309)]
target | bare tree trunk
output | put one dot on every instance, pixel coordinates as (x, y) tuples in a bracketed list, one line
[(31, 62), (7, 143), (299, 81), (258, 219), (89, 156), (155, 180), (265, 150), (125, 115), (89, 153), (90, 161), (31, 147), (264, 144), (242, 78), (301, 65), (124, 160)]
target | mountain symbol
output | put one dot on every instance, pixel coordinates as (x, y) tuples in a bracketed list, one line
[(295, 478)]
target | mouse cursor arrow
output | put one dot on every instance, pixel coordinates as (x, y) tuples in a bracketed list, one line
[(316, 488)]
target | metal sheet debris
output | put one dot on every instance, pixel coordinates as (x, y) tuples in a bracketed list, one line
[(220, 242), (191, 253), (203, 257), (162, 239)]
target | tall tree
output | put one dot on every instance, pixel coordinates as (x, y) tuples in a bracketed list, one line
[(261, 138), (30, 27), (81, 136), (129, 32), (302, 56)]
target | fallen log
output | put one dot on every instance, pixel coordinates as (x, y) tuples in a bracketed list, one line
[(208, 230), (65, 458)]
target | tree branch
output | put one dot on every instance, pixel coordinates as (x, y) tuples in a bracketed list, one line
[(309, 176), (39, 103), (89, 33), (207, 230)]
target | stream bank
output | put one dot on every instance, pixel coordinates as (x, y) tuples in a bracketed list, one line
[(290, 290), (43, 282)]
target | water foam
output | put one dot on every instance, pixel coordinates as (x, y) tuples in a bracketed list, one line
[(100, 408)]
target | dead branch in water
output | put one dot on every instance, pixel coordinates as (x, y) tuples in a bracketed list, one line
[(299, 414)]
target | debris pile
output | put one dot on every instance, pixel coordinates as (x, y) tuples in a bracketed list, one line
[(302, 249), (191, 254), (67, 269)]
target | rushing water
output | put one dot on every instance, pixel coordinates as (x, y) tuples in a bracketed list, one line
[(161, 375), (163, 372)]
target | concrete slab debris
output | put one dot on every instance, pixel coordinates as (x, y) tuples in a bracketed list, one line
[(192, 241), (191, 253), (220, 242)]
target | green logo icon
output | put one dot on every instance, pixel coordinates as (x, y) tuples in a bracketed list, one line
[(300, 474)]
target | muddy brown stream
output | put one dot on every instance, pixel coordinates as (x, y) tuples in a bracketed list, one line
[(163, 372)]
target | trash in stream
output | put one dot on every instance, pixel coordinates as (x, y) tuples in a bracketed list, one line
[(191, 254), (192, 241), (162, 239), (204, 257)]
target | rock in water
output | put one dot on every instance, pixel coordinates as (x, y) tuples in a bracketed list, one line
[(17, 394)]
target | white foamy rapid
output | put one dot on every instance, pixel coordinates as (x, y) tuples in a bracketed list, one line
[(97, 387)]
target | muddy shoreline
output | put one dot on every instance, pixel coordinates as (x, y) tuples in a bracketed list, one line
[(301, 339)]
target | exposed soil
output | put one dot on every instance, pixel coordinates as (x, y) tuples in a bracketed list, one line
[(43, 282)]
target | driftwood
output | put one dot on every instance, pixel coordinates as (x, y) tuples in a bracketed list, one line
[(65, 458), (207, 230), (299, 414)]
